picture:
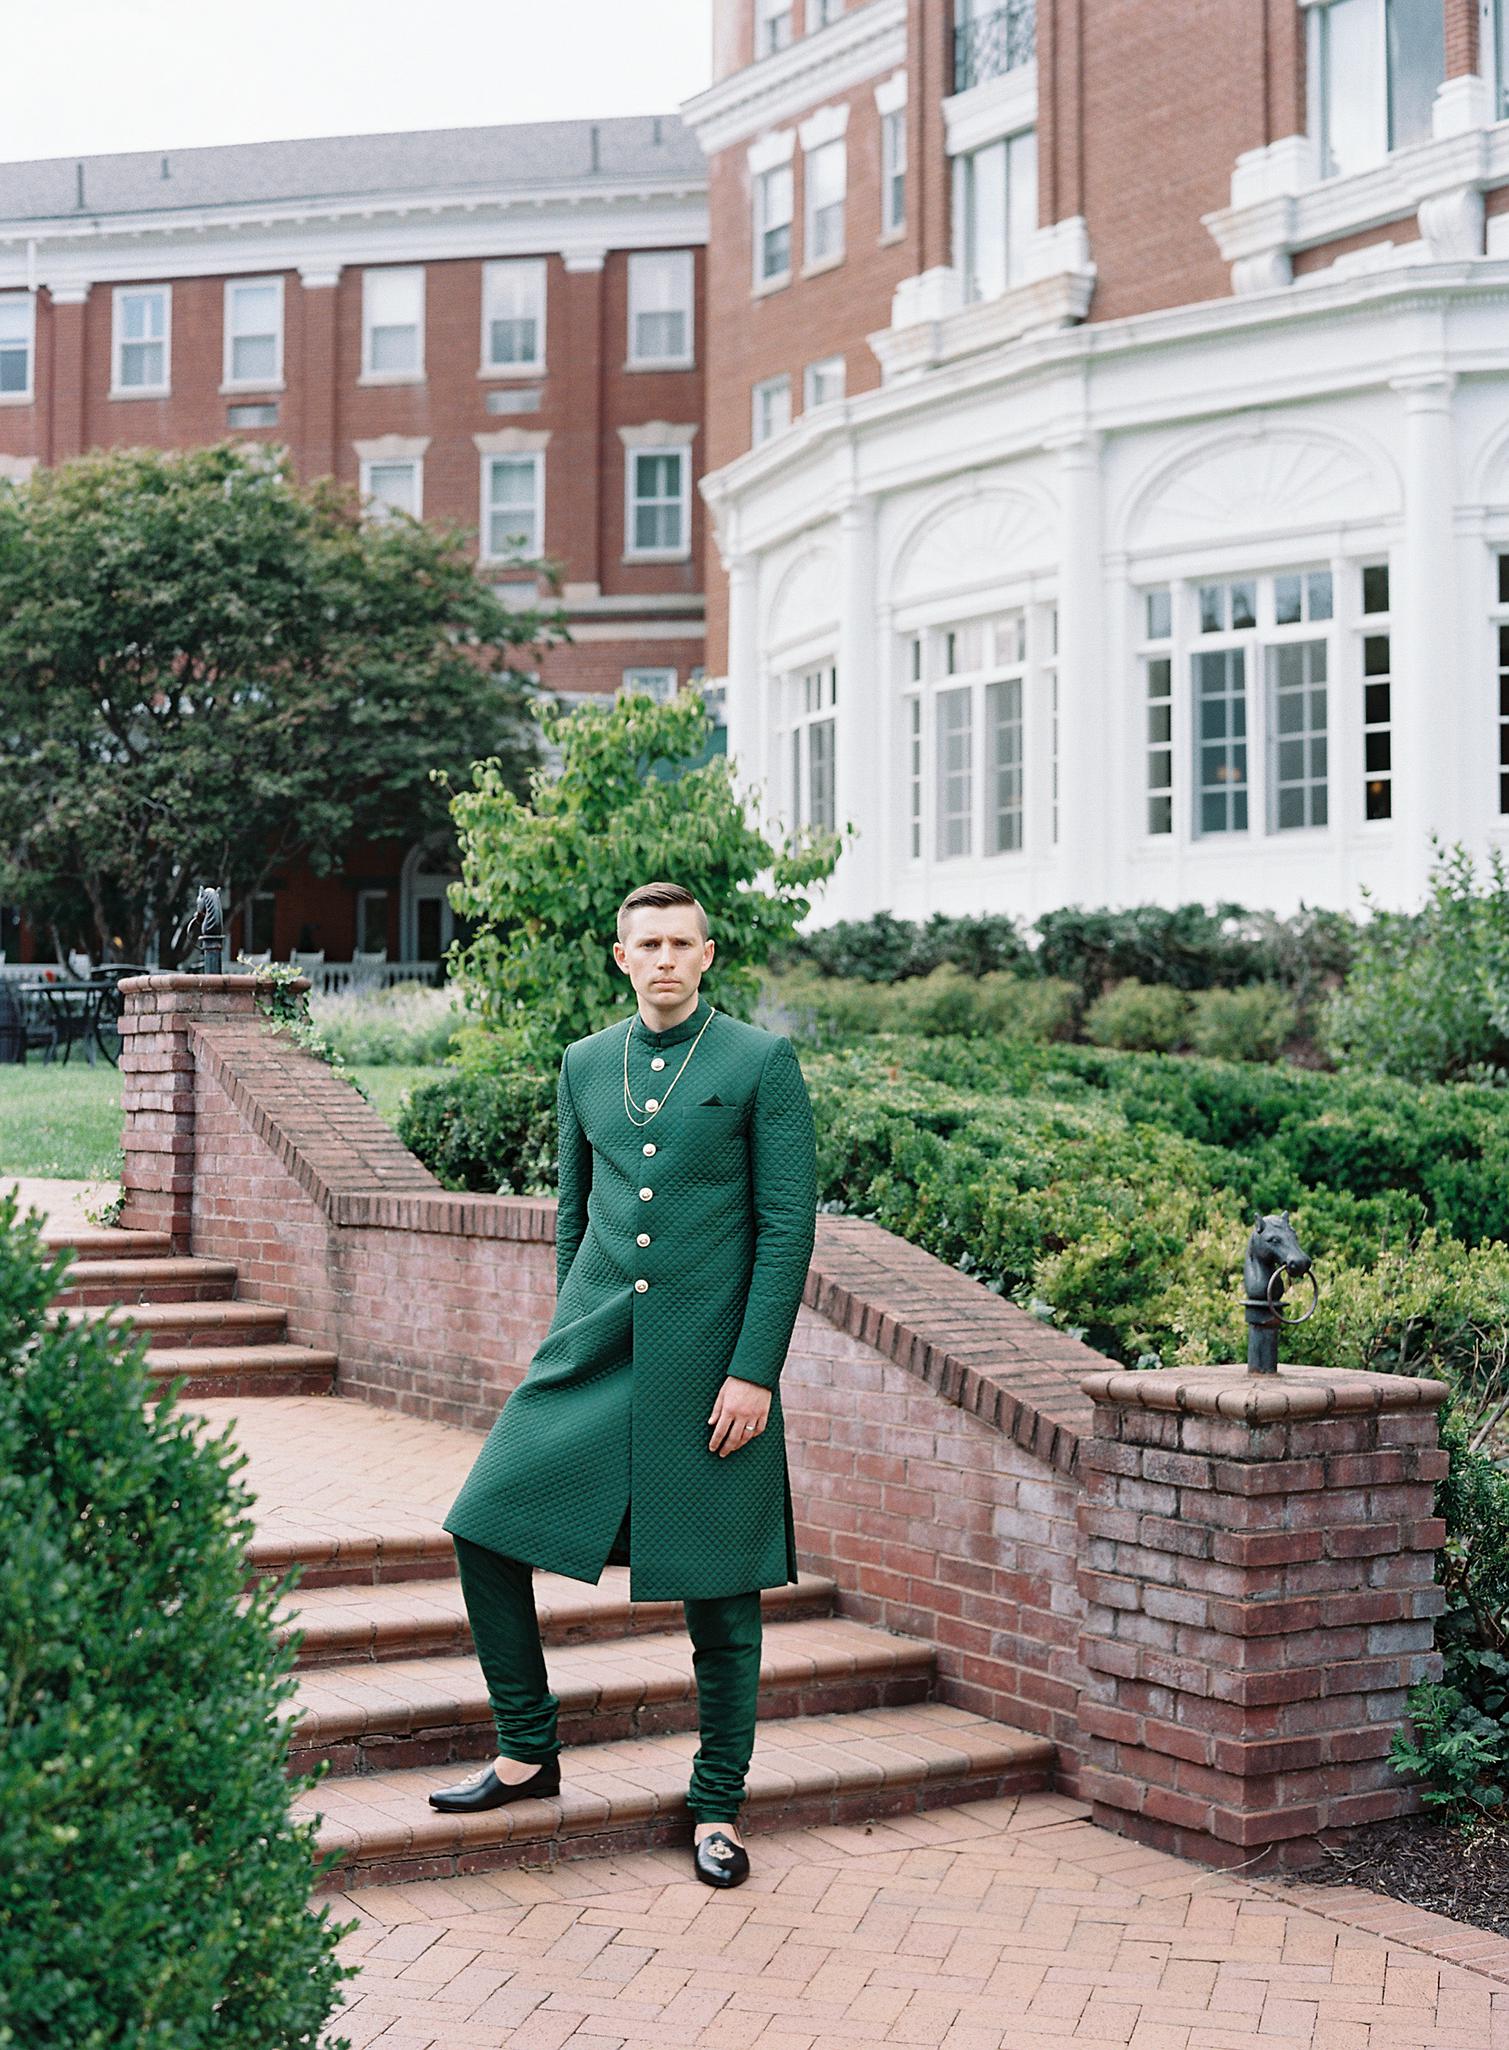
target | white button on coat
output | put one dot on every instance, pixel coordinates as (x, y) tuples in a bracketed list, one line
[(649, 1145), (641, 1284), (658, 1062), (644, 1238), (645, 1195)]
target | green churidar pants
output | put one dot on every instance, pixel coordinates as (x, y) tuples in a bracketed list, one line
[(726, 1639)]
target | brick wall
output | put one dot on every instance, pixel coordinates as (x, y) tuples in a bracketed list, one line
[(1211, 1593)]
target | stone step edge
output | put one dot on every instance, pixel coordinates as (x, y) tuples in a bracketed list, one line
[(860, 1652), (171, 1269), (103, 1241), (568, 1612), (885, 1761), (165, 1316), (166, 1360)]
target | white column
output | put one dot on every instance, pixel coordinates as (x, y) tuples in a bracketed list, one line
[(1427, 693), (858, 886), (744, 702), (1084, 842)]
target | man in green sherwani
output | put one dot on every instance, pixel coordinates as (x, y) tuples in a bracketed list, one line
[(685, 1227)]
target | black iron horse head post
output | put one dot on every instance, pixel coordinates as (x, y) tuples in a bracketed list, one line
[(1274, 1254), (211, 929)]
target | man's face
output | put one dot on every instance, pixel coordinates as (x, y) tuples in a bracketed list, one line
[(663, 953)]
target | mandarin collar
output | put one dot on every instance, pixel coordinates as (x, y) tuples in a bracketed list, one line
[(690, 1025)]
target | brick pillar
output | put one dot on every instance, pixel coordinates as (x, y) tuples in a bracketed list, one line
[(1461, 36), (575, 485), (67, 375), (157, 1090), (317, 384), (1257, 1561)]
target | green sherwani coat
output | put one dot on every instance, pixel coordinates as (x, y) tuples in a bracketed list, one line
[(682, 1250)]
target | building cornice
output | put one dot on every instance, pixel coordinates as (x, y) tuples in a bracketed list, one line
[(274, 235), (857, 46)]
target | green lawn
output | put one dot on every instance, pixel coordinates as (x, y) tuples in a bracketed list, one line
[(66, 1121)]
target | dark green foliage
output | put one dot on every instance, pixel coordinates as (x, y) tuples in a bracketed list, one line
[(494, 1132), (889, 949), (153, 1891), (1460, 1742), (1195, 948), (208, 670)]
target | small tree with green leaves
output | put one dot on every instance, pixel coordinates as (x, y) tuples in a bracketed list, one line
[(154, 1893), (209, 670), (543, 880)]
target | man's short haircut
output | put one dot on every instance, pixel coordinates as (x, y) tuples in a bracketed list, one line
[(661, 896)]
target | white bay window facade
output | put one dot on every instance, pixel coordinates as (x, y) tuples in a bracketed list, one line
[(1105, 638)]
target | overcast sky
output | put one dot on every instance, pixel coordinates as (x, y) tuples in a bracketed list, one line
[(88, 76)]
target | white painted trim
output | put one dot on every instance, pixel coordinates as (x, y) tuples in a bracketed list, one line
[(862, 43), (415, 462), (228, 381), (512, 441), (491, 270), (16, 469), (484, 524), (391, 448), (141, 391), (660, 434), (649, 631), (27, 397), (681, 449), (890, 93), (687, 359), (414, 375), (826, 124), (778, 147), (1000, 107)]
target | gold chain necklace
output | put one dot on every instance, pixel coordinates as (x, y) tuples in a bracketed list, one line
[(653, 1105)]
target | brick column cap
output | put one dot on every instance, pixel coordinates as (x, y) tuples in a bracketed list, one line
[(209, 984), (1293, 1394)]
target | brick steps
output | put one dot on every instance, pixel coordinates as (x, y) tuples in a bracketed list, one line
[(105, 1242), (631, 1793), (260, 1369), (215, 1323), (434, 1711), (103, 1280), (366, 1625)]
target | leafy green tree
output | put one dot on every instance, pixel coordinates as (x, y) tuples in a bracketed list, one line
[(209, 670), (154, 1891), (543, 880)]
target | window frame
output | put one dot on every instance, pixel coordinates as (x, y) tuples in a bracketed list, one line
[(768, 384), (416, 375), (626, 686), (770, 39), (118, 341), (687, 359), (893, 170), (823, 14), (26, 396), (381, 508), (1319, 65), (997, 666), (810, 694), (485, 552), (835, 150), (229, 382), (966, 203), (492, 268), (770, 281), (810, 375), (632, 501)]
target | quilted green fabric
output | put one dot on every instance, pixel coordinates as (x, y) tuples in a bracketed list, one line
[(682, 1252)]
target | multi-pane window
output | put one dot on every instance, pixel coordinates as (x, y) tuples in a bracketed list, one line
[(142, 321), (995, 212), (659, 684), (253, 331), (391, 485), (822, 382), (658, 509), (1501, 637), (773, 25), (1157, 665), (813, 695), (1052, 667), (893, 171), (1373, 68), (15, 344), (965, 698), (1377, 694), (825, 184), (512, 508), (773, 191), (513, 315), (1260, 655), (770, 408), (393, 322), (660, 306), (820, 13)]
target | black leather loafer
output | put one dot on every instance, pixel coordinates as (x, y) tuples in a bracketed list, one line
[(719, 1860), (488, 1791)]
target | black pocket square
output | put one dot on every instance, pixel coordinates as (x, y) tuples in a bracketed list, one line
[(714, 1103)]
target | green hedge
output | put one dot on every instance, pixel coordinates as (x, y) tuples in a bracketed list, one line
[(153, 1890)]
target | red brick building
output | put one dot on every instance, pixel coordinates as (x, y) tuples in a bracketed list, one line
[(503, 327)]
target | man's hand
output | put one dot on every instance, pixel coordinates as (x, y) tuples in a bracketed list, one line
[(739, 1403)]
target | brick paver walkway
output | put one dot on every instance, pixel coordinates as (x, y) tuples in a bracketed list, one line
[(997, 1925)]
